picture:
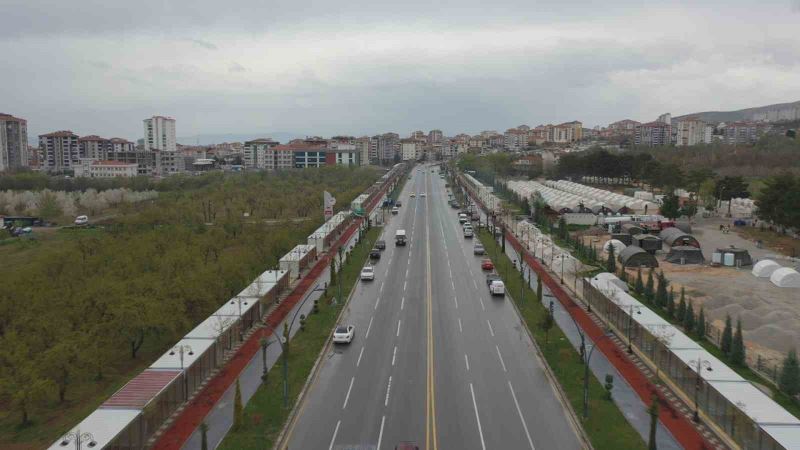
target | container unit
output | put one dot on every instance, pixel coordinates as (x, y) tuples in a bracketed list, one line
[(223, 330), (247, 310), (730, 403), (647, 242), (327, 234), (732, 257), (298, 259), (196, 362), (267, 286), (111, 428)]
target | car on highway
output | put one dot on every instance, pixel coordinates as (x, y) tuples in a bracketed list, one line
[(406, 446), (344, 334), (422, 194), (375, 253), (497, 287), (398, 203), (81, 220), (491, 277), (367, 273), (478, 249), (400, 237), (468, 233), (412, 195), (487, 264), (462, 218), (395, 210), (380, 244)]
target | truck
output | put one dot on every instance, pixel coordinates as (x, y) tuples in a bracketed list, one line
[(400, 237)]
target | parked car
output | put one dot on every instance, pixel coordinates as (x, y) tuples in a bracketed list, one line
[(81, 220), (344, 334), (462, 218), (497, 287), (492, 276), (478, 249), (487, 264), (468, 233), (412, 195), (395, 210), (398, 203), (367, 273), (375, 253), (380, 245), (422, 194)]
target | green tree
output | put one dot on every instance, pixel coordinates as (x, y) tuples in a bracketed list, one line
[(688, 318), (661, 292), (737, 347), (706, 192), (649, 287), (22, 385), (726, 343), (671, 303), (731, 187), (638, 287), (670, 206), (696, 177), (562, 228), (789, 380), (680, 313), (653, 412), (546, 324), (609, 385), (700, 327), (611, 261), (238, 408), (49, 207), (539, 288)]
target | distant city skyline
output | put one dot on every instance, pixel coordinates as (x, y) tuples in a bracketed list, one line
[(363, 68)]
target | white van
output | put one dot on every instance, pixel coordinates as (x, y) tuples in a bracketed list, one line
[(497, 287), (462, 218), (400, 237)]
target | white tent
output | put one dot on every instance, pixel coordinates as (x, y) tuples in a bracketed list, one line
[(765, 268), (619, 246), (785, 277)]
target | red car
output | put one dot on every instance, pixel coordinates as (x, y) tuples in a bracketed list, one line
[(486, 264)]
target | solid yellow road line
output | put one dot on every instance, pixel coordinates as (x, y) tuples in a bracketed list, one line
[(431, 368)]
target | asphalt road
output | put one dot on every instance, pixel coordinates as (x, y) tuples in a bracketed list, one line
[(435, 360)]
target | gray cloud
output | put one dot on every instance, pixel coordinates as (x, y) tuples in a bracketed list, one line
[(236, 68), (204, 44)]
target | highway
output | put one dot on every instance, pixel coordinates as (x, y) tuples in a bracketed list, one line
[(435, 360)]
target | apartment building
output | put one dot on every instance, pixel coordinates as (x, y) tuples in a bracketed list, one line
[(362, 145), (515, 139), (122, 145), (159, 134), (419, 135), (92, 168), (408, 149), (60, 150), (346, 155), (93, 147), (13, 142), (435, 136), (653, 134), (254, 153), (145, 161), (168, 163), (743, 132), (692, 131), (388, 146)]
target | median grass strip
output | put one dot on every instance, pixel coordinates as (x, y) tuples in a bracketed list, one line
[(264, 415), (606, 426)]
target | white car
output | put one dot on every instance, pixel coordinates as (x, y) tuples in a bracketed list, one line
[(468, 233), (368, 273), (344, 334), (422, 194), (413, 195), (497, 287), (395, 210), (81, 220)]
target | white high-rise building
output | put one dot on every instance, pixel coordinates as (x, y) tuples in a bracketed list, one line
[(159, 134), (692, 131)]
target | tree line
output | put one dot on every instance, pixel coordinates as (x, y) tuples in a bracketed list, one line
[(26, 180), (74, 313)]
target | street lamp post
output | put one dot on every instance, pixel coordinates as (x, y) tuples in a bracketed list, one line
[(588, 358), (239, 301), (701, 364), (181, 349), (264, 343), (79, 438), (284, 343)]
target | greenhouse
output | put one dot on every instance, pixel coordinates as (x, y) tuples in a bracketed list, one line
[(785, 277), (765, 268)]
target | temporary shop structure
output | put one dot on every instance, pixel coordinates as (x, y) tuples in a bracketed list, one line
[(633, 256), (632, 229), (647, 242), (674, 237), (685, 254), (785, 277), (765, 268), (623, 237), (732, 257), (619, 246)]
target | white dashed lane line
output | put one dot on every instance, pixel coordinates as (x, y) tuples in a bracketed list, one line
[(502, 363), (491, 330), (360, 354), (335, 432), (369, 327), (347, 397)]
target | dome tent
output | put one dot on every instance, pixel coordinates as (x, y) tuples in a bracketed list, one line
[(634, 256), (619, 246), (685, 254), (785, 277), (765, 268), (674, 237)]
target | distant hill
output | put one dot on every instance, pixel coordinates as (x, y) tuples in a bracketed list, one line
[(769, 112), (209, 139)]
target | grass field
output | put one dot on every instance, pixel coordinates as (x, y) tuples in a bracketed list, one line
[(264, 415), (606, 427)]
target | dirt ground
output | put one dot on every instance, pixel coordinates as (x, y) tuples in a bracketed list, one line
[(770, 315)]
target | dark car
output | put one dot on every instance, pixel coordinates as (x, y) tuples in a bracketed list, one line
[(406, 446), (492, 277), (380, 245), (398, 204), (375, 254)]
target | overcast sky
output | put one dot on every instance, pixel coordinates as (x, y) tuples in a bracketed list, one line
[(365, 66)]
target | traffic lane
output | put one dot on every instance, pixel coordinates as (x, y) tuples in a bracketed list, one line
[(382, 379)]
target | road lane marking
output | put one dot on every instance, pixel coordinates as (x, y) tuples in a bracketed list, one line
[(382, 284), (380, 434), (386, 272), (377, 302), (347, 397), (398, 327), (460, 329), (466, 360), (452, 285), (404, 285), (368, 327), (482, 307), (407, 272), (360, 354), (502, 363), (475, 283), (394, 354), (519, 411), (409, 254), (430, 412), (335, 432), (388, 390), (455, 300), (402, 302), (477, 417), (491, 330)]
